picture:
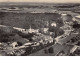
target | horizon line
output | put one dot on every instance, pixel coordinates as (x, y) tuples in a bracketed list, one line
[(39, 2)]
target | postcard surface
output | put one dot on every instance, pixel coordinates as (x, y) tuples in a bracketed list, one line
[(39, 27)]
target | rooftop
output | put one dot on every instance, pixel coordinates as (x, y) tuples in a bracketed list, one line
[(77, 16)]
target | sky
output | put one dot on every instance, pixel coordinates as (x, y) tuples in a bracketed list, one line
[(46, 1)]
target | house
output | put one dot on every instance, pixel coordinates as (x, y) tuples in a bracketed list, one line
[(63, 14), (14, 44), (19, 29), (53, 24), (33, 30), (77, 18), (74, 19), (43, 30), (73, 49)]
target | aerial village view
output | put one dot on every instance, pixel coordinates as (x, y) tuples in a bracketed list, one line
[(39, 29)]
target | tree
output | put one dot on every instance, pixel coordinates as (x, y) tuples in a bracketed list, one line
[(58, 31)]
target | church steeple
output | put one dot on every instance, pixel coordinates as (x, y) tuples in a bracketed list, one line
[(30, 30)]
